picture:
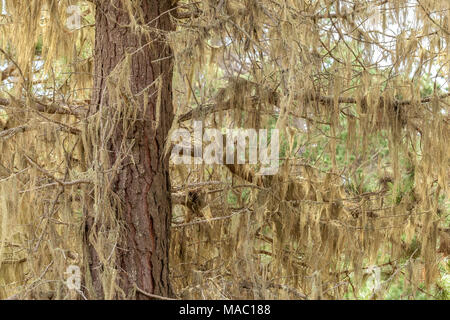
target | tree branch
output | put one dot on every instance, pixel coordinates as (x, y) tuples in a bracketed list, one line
[(53, 108), (214, 107), (48, 174), (6, 134)]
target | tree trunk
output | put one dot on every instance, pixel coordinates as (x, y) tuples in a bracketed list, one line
[(142, 183)]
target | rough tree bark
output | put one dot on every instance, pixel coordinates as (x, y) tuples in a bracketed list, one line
[(143, 182)]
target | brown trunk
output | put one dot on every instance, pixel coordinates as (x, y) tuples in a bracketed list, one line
[(142, 184)]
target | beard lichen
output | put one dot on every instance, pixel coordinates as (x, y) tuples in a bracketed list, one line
[(363, 180)]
